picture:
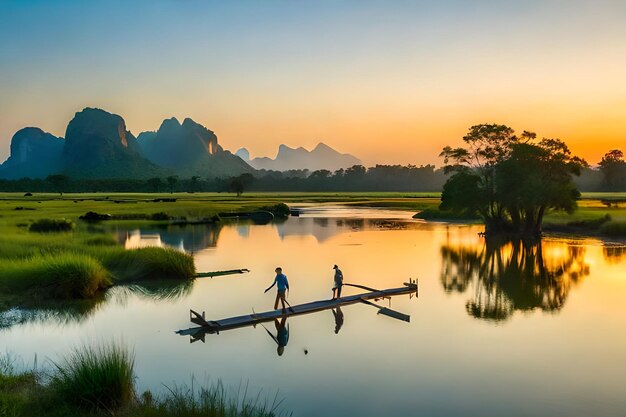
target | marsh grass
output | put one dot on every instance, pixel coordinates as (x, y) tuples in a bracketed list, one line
[(212, 401), (99, 381), (95, 377), (16, 388), (79, 265), (60, 276), (147, 264)]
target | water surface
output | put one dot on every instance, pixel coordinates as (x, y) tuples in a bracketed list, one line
[(497, 330)]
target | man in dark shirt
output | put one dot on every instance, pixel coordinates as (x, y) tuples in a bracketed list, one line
[(338, 282)]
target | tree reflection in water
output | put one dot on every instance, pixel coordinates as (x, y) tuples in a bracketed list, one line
[(614, 253), (506, 277)]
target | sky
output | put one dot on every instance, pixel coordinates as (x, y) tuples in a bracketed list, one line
[(388, 81)]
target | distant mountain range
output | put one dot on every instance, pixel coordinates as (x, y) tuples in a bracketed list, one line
[(98, 145), (320, 157)]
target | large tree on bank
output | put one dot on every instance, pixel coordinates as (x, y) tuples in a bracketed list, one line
[(510, 181), (613, 168)]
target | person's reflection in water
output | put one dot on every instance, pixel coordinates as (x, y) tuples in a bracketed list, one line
[(338, 318), (282, 335)]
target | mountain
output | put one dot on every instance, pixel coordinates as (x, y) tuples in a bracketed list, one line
[(34, 154), (97, 145), (321, 157), (189, 149)]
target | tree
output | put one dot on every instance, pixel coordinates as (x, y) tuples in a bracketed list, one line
[(155, 184), (487, 145), (194, 183), (238, 184), (536, 178), (171, 181), (510, 182), (58, 181), (613, 169)]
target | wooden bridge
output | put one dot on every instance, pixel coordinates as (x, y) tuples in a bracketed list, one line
[(216, 326)]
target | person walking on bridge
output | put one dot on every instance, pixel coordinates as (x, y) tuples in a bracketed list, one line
[(282, 285), (338, 282)]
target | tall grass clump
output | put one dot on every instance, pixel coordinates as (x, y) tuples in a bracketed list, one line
[(614, 229), (213, 401), (58, 276), (16, 389), (149, 263), (51, 225), (97, 378)]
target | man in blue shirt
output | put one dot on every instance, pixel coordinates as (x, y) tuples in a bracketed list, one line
[(282, 284)]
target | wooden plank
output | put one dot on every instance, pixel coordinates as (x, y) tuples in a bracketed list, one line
[(216, 326), (219, 273)]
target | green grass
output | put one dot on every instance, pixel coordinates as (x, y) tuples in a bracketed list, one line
[(56, 276), (212, 401), (99, 381), (95, 378), (146, 263)]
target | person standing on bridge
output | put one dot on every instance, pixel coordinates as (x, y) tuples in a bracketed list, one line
[(338, 282), (283, 285)]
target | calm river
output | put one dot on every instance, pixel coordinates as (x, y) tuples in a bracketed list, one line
[(495, 331)]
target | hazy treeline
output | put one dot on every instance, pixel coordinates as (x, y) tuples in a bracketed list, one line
[(356, 178), (610, 176)]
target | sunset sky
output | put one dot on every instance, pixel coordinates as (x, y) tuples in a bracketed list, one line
[(390, 82)]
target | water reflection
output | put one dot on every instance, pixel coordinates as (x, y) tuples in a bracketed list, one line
[(515, 276), (164, 290), (66, 312), (188, 238), (614, 253), (61, 313), (194, 238), (282, 335), (338, 314)]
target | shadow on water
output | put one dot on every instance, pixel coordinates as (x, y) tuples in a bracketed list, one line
[(76, 311), (514, 276)]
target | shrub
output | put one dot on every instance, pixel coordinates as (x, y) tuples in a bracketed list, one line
[(614, 229), (160, 216), (96, 378), (280, 210), (92, 216), (51, 225)]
